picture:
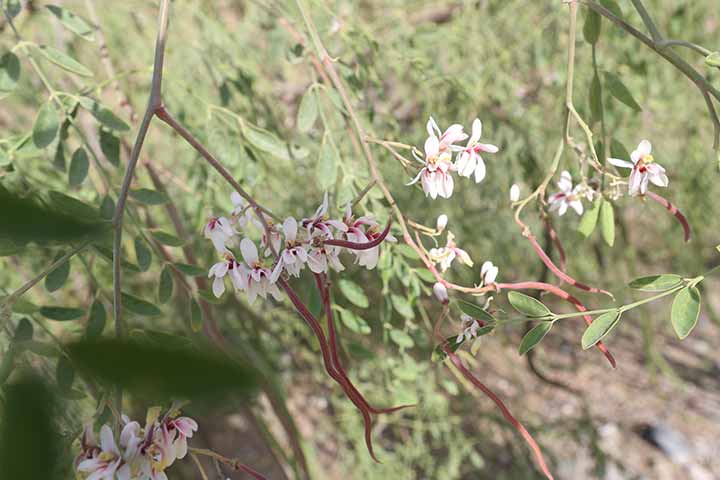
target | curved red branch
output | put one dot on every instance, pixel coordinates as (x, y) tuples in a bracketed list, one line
[(556, 242), (505, 411), (560, 293), (362, 246), (672, 209)]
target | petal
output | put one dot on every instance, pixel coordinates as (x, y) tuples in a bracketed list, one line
[(486, 266), (218, 287), (491, 275), (635, 181), (236, 199), (476, 132), (577, 206), (432, 147), (461, 163), (487, 147), (479, 170), (644, 148), (417, 177), (107, 440), (563, 208), (660, 179), (620, 163), (432, 128), (644, 184), (290, 229), (565, 182), (249, 251)]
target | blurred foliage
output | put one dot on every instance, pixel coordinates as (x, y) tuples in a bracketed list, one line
[(236, 76)]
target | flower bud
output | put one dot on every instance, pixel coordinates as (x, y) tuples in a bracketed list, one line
[(441, 293), (514, 193), (442, 222)]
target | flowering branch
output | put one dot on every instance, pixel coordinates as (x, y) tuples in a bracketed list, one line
[(361, 246)]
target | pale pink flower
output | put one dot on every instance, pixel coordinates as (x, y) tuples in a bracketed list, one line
[(185, 427), (469, 328), (320, 223), (220, 270), (514, 192), (567, 196), (294, 255), (441, 223), (255, 277), (441, 293), (365, 229), (435, 176), (220, 232), (105, 460), (469, 161), (488, 273), (644, 169), (241, 212), (447, 254)]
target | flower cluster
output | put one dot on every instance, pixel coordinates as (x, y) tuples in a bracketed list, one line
[(570, 196), (315, 242), (141, 453), (644, 169), (438, 166)]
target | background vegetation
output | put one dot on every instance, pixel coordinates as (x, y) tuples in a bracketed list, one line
[(236, 73)]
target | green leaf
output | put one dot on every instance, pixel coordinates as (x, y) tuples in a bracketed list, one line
[(139, 306), (149, 197), (166, 239), (13, 7), (31, 444), (354, 322), (307, 111), (406, 251), (72, 22), (24, 331), (685, 311), (712, 60), (534, 336), (57, 278), (162, 369), (402, 305), (79, 166), (592, 27), (613, 6), (107, 208), (475, 311), (656, 283), (190, 270), (46, 126), (620, 91), (142, 254), (327, 168), (61, 314), (104, 115), (9, 72), (266, 141), (196, 316), (596, 105), (589, 220), (64, 374), (401, 338), (64, 61), (528, 306), (618, 150), (209, 297), (600, 328), (354, 293), (42, 349), (72, 206), (110, 146), (165, 286), (438, 354), (607, 222), (96, 320)]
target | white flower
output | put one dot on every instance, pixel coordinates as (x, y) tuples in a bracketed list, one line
[(567, 196), (185, 427), (514, 192), (441, 293), (220, 232), (435, 175), (488, 273), (364, 230), (441, 223), (445, 255), (241, 213), (644, 169), (322, 258), (469, 160), (469, 327), (255, 278), (220, 270), (293, 257), (105, 461), (449, 137)]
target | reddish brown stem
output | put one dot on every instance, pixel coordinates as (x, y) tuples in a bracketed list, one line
[(557, 271), (362, 246), (672, 209), (560, 293), (556, 243), (505, 411), (244, 468), (329, 367)]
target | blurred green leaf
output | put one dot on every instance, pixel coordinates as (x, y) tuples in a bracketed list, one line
[(72, 22), (592, 26), (401, 338), (12, 7), (96, 320), (139, 306), (110, 146), (354, 322), (163, 370), (607, 222), (620, 91), (79, 165), (23, 331), (190, 270), (149, 197), (307, 111), (600, 327), (57, 278), (165, 286), (596, 105), (46, 126), (685, 311), (142, 253), (61, 314), (402, 306), (528, 306), (266, 141), (712, 60), (31, 446), (107, 208), (354, 293), (64, 61), (9, 72), (196, 316), (613, 6), (166, 239), (104, 115), (64, 374), (327, 167), (656, 283), (534, 337), (589, 220)]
